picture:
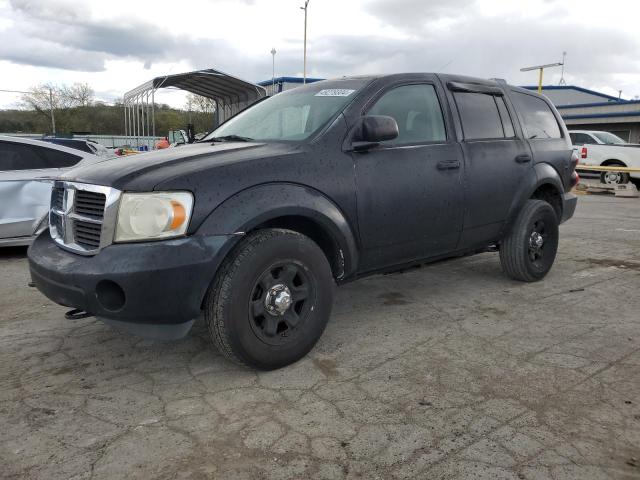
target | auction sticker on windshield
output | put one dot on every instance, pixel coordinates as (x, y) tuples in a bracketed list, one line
[(334, 92)]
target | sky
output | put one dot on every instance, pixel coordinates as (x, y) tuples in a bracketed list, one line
[(116, 45)]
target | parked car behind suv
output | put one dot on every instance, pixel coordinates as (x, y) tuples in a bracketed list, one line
[(318, 185), (27, 170), (606, 149)]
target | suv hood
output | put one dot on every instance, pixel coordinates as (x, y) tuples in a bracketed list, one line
[(144, 171)]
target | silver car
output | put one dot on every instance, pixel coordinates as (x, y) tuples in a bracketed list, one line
[(27, 170)]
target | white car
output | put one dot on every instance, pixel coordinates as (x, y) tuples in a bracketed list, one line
[(606, 149), (27, 170), (85, 145)]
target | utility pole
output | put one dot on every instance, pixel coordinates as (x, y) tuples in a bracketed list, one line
[(53, 120), (304, 68), (273, 70), (541, 70)]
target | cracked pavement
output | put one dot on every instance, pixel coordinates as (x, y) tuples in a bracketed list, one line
[(449, 371)]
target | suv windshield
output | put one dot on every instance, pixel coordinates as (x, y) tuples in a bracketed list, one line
[(608, 138), (292, 115)]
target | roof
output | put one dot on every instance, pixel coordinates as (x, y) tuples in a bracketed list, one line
[(575, 88), (44, 144), (208, 83)]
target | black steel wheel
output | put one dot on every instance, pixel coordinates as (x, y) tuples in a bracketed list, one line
[(281, 301), (271, 299), (527, 253)]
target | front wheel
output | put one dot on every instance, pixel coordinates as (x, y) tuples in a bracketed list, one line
[(527, 253), (271, 299)]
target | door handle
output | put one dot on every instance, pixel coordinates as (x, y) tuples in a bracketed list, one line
[(448, 164), (524, 158)]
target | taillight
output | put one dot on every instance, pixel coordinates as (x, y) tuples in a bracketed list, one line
[(575, 179), (583, 152)]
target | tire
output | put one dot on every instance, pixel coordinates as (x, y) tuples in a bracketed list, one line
[(522, 257), (246, 306), (614, 178)]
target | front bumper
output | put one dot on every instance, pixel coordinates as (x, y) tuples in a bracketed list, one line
[(153, 289), (569, 202)]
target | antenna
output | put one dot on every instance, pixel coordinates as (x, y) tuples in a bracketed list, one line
[(562, 82)]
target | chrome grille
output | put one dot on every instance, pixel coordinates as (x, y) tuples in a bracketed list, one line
[(87, 234), (82, 216), (90, 204), (57, 198)]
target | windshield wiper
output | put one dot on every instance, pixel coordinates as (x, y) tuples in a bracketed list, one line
[(230, 138)]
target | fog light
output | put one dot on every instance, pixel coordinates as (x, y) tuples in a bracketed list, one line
[(110, 295)]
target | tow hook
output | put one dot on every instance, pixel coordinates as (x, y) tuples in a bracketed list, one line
[(77, 314)]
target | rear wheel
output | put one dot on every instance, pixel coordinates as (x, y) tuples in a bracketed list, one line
[(271, 300), (529, 250), (614, 178)]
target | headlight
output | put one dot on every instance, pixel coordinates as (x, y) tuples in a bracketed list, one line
[(149, 216)]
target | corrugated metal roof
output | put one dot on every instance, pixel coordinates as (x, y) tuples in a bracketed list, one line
[(209, 83)]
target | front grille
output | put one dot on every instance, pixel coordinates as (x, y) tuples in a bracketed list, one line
[(57, 198), (90, 204), (87, 234), (56, 221), (82, 216)]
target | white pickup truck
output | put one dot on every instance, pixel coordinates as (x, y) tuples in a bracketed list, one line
[(604, 148)]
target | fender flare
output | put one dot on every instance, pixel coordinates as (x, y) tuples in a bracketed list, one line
[(544, 174), (247, 209)]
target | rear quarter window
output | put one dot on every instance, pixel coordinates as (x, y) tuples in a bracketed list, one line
[(539, 120)]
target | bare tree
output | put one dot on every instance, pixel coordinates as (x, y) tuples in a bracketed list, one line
[(200, 104), (77, 95), (46, 96)]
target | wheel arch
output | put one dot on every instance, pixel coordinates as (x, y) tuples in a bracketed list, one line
[(613, 161), (294, 207), (546, 185)]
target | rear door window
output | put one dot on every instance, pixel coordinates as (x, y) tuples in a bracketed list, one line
[(17, 156), (539, 120), (480, 116)]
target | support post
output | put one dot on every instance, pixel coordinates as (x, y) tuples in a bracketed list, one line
[(540, 80)]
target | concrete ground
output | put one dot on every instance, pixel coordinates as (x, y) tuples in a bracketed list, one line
[(451, 371)]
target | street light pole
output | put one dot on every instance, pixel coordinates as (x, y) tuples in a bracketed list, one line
[(273, 71), (53, 120), (541, 71), (304, 70)]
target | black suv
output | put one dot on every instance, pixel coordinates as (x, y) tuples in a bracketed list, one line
[(318, 185)]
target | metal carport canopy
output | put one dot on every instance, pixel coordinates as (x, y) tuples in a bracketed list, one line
[(208, 83), (230, 94)]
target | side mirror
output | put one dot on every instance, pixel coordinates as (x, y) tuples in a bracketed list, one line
[(374, 129)]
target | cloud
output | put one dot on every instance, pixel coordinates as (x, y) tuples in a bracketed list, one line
[(457, 36), (409, 14), (59, 34)]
